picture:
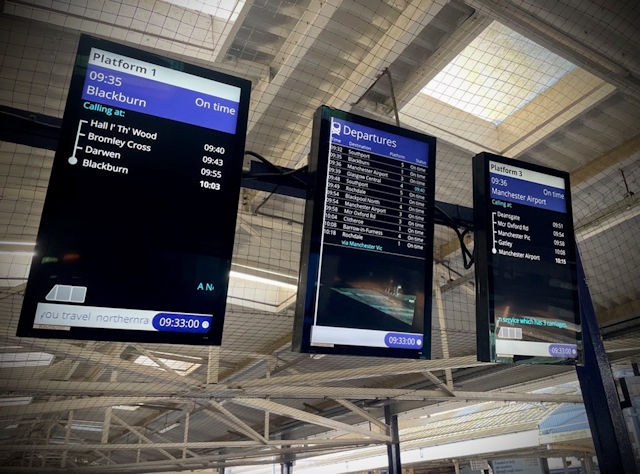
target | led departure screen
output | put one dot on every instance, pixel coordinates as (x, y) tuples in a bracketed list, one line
[(527, 302), (365, 284), (138, 224)]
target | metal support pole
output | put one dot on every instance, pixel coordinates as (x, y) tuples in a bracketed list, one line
[(67, 437), (286, 467), (393, 447), (213, 365), (221, 464), (185, 435), (287, 458), (108, 412), (606, 421), (587, 464), (442, 326)]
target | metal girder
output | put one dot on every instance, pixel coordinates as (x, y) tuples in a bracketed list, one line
[(74, 387), (284, 410), (199, 51), (141, 436), (189, 445), (155, 360), (29, 128), (442, 326), (606, 161), (280, 390), (310, 25), (236, 422), (414, 17), (362, 413), (77, 404), (396, 368), (601, 399), (402, 33), (360, 393), (439, 383), (248, 454), (213, 365), (86, 354), (224, 41)]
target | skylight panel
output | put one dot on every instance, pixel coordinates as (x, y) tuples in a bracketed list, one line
[(182, 367), (496, 74), (25, 359), (223, 9), (14, 401)]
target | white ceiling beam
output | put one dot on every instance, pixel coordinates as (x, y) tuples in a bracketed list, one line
[(222, 44), (287, 391), (213, 365), (307, 443), (67, 436), (244, 427), (606, 219), (77, 404), (185, 420), (412, 20), (235, 428), (439, 383), (402, 33), (573, 95), (198, 51), (442, 328), (278, 390), (362, 413), (249, 456), (630, 344), (306, 417), (155, 360), (606, 161), (88, 355), (397, 368), (140, 435), (444, 54), (109, 24), (108, 414), (312, 22), (82, 388)]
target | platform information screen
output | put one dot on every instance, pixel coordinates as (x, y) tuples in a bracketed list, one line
[(366, 273), (138, 224), (526, 283)]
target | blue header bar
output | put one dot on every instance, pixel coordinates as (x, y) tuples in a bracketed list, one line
[(529, 193), (166, 100), (379, 142)]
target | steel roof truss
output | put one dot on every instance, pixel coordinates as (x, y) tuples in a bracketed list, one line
[(306, 417)]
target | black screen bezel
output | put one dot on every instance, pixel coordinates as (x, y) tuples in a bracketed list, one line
[(232, 182), (312, 236), (486, 269)]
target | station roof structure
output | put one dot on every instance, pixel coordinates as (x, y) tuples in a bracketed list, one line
[(555, 83)]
